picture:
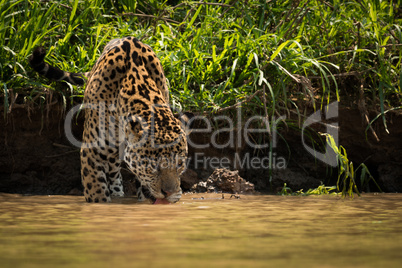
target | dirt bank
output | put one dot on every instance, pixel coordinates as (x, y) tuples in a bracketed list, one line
[(36, 157)]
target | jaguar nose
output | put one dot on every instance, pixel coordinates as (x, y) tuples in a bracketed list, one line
[(166, 194), (169, 188)]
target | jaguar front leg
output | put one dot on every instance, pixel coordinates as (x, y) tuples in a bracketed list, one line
[(140, 195), (93, 176), (115, 179)]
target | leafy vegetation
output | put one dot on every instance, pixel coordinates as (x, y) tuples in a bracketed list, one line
[(273, 56), (347, 174), (320, 190), (216, 54)]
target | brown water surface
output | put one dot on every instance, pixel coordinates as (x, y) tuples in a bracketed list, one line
[(253, 231)]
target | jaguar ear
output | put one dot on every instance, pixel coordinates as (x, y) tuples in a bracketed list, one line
[(186, 119)]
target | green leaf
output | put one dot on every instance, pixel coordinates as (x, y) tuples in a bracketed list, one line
[(194, 17), (73, 11), (278, 50)]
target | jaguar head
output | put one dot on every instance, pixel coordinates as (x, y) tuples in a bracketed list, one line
[(157, 161), (159, 178)]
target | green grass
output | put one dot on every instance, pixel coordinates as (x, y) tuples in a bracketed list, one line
[(219, 53), (347, 176), (213, 63), (320, 190)]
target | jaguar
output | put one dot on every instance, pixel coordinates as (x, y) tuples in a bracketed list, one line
[(127, 118)]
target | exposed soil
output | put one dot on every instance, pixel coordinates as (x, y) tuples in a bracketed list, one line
[(36, 157), (226, 181)]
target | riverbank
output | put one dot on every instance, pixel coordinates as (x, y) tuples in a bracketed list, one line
[(272, 79), (37, 158)]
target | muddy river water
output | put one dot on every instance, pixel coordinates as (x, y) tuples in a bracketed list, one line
[(253, 231)]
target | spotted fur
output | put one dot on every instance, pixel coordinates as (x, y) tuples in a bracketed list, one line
[(126, 106)]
